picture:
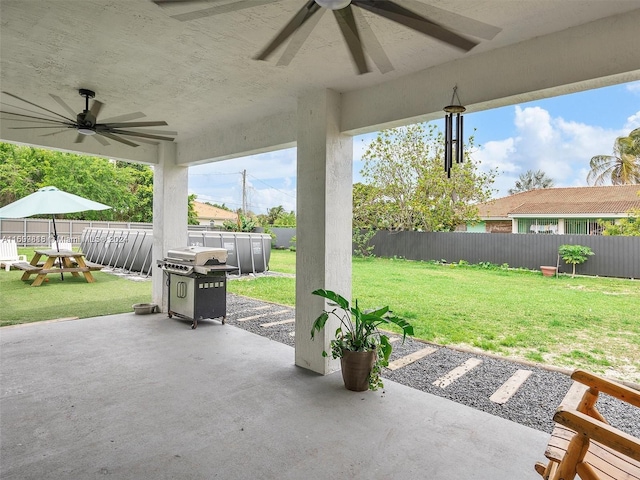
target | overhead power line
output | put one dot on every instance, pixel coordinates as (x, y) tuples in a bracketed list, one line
[(271, 186)]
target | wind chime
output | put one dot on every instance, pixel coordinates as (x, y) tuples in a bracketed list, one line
[(454, 147)]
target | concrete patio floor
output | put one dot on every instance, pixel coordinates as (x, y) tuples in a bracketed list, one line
[(145, 397)]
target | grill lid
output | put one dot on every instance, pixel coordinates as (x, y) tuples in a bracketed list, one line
[(194, 255)]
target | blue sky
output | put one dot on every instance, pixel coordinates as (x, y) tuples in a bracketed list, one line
[(557, 135)]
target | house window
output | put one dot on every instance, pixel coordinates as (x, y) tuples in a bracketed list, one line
[(538, 225), (582, 226)]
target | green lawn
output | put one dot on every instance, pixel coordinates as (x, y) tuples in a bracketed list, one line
[(584, 321), (73, 297)]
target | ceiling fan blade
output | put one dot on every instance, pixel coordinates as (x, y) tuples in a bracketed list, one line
[(38, 106), (79, 138), (164, 132), (131, 133), (148, 142), (64, 105), (403, 16), (101, 140), (298, 39), (117, 139), (31, 111), (458, 22), (371, 44), (160, 123), (38, 119), (349, 30), (169, 2), (124, 118), (298, 19), (95, 108), (33, 128), (35, 122), (220, 9), (54, 133)]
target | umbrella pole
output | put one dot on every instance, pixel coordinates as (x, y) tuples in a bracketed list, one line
[(55, 237)]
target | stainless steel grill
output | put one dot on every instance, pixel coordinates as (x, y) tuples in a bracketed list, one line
[(197, 283)]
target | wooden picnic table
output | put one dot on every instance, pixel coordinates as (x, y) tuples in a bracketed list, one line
[(63, 261)]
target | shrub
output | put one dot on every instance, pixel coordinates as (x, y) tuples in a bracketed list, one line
[(575, 255)]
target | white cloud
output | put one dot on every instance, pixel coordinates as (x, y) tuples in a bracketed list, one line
[(560, 148), (633, 121), (634, 87), (496, 154), (270, 181)]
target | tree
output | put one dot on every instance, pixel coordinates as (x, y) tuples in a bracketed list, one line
[(244, 224), (217, 205), (127, 187), (192, 215), (406, 187), (575, 255), (532, 181), (273, 213), (20, 174), (621, 168), (628, 227), (98, 179), (286, 219), (277, 216)]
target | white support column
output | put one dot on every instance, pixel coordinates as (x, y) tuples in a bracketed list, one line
[(170, 212), (323, 237)]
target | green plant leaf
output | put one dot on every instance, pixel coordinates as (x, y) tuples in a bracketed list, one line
[(339, 300), (319, 323)]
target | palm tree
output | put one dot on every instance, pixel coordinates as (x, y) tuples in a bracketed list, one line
[(532, 181), (621, 168)]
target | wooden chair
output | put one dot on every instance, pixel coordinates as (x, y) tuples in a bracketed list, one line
[(9, 254), (583, 443)]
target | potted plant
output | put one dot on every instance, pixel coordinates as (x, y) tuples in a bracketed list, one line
[(361, 347), (548, 271)]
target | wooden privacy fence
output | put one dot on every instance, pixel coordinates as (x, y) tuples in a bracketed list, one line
[(614, 256)]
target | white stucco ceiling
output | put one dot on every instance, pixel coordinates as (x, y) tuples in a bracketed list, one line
[(200, 77)]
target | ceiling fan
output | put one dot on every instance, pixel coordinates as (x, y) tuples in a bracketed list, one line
[(354, 28), (86, 123)]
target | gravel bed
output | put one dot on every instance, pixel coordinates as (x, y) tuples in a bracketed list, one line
[(533, 404)]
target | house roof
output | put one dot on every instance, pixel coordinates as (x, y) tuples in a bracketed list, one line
[(209, 212), (564, 201)]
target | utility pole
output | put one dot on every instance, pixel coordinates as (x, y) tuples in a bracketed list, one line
[(244, 192)]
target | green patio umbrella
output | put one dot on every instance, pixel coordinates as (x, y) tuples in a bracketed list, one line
[(49, 201)]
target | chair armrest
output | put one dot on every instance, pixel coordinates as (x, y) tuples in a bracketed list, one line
[(602, 385), (599, 432)]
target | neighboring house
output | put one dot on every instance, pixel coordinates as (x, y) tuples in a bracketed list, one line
[(572, 210), (213, 216)]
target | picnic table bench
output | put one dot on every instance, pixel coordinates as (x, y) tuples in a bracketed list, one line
[(63, 261), (583, 443), (26, 266)]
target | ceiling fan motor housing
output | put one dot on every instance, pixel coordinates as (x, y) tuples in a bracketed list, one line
[(86, 123), (333, 4)]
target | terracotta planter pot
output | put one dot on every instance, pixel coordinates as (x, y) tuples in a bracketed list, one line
[(356, 367), (548, 271)]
